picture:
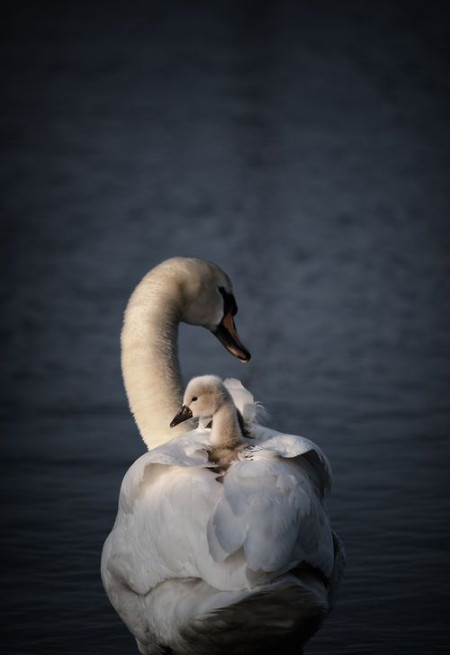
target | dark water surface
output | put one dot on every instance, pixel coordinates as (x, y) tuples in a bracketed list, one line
[(304, 148)]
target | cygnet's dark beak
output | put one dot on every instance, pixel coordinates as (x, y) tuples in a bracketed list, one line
[(182, 415), (226, 330)]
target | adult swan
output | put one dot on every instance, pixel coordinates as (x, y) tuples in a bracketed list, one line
[(193, 565)]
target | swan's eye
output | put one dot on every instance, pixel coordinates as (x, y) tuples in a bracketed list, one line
[(194, 399), (229, 302)]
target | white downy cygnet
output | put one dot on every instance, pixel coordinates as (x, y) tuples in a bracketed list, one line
[(206, 397)]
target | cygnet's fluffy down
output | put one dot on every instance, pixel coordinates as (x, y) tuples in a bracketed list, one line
[(207, 397)]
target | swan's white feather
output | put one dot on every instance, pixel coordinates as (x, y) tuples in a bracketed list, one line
[(251, 410), (188, 450), (271, 507)]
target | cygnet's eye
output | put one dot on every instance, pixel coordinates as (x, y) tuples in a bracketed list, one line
[(194, 399)]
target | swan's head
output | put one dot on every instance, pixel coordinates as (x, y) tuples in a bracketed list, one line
[(203, 397), (208, 300)]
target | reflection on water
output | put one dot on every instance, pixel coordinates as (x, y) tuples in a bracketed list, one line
[(306, 157)]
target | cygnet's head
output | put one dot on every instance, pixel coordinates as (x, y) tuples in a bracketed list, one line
[(203, 397)]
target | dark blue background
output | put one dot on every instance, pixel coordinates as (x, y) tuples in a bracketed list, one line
[(304, 147)]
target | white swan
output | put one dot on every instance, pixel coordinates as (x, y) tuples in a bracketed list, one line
[(193, 566)]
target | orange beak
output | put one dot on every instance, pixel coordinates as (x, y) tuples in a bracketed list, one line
[(227, 334)]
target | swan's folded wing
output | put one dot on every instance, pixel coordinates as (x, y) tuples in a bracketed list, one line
[(292, 446), (160, 525), (188, 450), (183, 452), (160, 530), (272, 510)]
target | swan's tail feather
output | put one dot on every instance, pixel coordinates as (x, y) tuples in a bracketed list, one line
[(279, 618), (338, 570), (154, 649)]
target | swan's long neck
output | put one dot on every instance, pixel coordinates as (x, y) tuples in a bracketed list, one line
[(150, 364), (226, 432)]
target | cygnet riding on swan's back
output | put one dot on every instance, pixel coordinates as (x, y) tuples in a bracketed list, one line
[(207, 397), (249, 566)]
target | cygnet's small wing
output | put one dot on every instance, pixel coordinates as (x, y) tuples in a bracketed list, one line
[(250, 409)]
